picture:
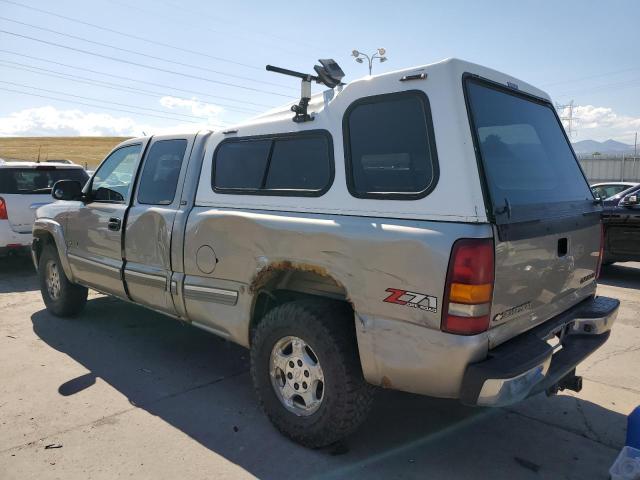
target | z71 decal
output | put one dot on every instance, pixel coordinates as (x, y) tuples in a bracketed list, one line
[(422, 301)]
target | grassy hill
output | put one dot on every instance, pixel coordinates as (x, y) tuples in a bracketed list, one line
[(81, 150)]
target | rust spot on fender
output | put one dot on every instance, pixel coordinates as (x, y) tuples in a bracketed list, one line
[(283, 266), (386, 383)]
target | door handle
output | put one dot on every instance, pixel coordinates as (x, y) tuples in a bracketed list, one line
[(114, 224)]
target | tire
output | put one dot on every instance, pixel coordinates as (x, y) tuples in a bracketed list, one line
[(327, 329), (61, 297)]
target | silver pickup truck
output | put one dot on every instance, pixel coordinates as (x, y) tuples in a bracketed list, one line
[(426, 230)]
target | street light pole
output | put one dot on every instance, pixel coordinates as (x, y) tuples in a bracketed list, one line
[(379, 54)]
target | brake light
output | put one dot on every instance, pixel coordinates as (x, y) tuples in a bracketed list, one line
[(469, 287), (601, 252), (3, 210)]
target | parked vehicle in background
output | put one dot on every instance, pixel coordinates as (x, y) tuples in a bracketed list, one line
[(24, 187), (65, 161), (609, 189), (330, 244), (621, 224)]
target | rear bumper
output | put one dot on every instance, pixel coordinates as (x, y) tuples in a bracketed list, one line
[(528, 364), (11, 241)]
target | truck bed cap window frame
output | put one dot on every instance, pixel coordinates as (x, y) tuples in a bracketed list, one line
[(510, 212), (274, 139), (430, 167)]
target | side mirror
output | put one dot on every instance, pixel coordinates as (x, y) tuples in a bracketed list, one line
[(630, 200), (67, 190)]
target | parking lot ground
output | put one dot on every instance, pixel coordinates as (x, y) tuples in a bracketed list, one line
[(121, 392)]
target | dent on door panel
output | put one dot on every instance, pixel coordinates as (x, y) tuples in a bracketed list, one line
[(148, 254)]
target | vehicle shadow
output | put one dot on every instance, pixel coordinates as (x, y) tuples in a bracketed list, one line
[(17, 274), (198, 383), (620, 275)]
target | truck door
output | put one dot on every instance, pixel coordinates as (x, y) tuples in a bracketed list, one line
[(147, 238), (94, 230)]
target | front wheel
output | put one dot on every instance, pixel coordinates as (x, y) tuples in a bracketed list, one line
[(306, 371), (61, 297)]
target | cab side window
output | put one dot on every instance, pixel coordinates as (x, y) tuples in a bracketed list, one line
[(113, 180), (161, 170)]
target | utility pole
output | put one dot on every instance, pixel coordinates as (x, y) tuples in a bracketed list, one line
[(567, 117), (635, 154)]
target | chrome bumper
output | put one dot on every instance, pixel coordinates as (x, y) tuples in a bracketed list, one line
[(528, 364)]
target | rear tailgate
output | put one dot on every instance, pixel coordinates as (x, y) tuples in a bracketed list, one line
[(547, 227)]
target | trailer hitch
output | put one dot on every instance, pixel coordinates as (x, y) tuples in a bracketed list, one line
[(570, 381)]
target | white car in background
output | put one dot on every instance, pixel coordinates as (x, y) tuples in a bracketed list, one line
[(24, 187)]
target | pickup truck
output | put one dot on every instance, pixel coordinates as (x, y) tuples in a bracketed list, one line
[(427, 230)]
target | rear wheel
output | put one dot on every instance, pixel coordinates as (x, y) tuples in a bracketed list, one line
[(306, 371), (61, 297)]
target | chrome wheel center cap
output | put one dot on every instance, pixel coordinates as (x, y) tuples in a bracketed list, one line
[(296, 376)]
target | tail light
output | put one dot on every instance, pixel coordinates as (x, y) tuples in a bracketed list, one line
[(601, 252), (469, 287), (3, 210)]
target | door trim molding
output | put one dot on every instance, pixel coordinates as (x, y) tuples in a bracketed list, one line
[(217, 295), (95, 263)]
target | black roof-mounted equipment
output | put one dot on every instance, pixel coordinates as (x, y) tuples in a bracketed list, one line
[(329, 74)]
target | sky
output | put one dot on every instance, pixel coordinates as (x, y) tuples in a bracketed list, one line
[(118, 67)]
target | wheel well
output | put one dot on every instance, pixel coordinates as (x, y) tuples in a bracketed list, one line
[(276, 285), (41, 239)]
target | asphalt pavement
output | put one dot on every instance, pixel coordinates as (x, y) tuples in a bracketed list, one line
[(122, 392)]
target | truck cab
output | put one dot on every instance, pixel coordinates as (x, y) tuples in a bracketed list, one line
[(427, 230)]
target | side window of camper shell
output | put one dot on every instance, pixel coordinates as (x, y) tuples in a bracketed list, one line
[(299, 164), (390, 150)]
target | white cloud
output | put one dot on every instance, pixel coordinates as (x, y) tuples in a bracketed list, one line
[(592, 122), (195, 106), (50, 121), (602, 123)]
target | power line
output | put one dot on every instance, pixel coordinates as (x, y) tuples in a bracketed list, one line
[(622, 84), (129, 35), (589, 77), (134, 52), (142, 65), (299, 39), (173, 19), (101, 101), (105, 84), (75, 102), (194, 92)]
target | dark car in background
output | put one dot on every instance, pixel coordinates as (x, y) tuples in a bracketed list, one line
[(621, 226)]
